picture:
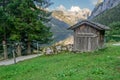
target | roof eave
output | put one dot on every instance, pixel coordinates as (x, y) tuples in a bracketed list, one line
[(89, 23)]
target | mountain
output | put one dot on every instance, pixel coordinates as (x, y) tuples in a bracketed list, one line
[(59, 29), (103, 7), (71, 17), (109, 16), (67, 41), (61, 20)]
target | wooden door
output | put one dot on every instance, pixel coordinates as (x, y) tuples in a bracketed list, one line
[(86, 43), (82, 44)]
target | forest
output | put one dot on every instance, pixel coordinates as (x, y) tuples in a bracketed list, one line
[(22, 25)]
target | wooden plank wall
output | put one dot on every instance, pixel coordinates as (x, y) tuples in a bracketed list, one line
[(86, 42)]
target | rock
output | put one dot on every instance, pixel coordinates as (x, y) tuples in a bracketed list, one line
[(64, 48), (58, 48), (70, 47), (105, 5), (71, 16), (49, 51)]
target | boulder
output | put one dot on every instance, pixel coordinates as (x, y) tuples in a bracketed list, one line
[(49, 51)]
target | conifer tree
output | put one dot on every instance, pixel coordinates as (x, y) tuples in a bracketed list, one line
[(28, 17)]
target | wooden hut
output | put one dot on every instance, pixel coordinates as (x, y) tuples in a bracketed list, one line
[(88, 35)]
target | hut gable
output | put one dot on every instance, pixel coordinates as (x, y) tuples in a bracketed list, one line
[(88, 36), (85, 29)]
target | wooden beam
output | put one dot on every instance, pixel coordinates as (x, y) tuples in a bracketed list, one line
[(86, 35)]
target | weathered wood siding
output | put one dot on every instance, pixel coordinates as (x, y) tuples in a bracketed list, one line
[(87, 38), (101, 39)]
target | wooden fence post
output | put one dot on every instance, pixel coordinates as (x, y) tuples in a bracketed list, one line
[(14, 57)]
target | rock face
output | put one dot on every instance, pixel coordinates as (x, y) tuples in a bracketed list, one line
[(71, 17), (105, 5)]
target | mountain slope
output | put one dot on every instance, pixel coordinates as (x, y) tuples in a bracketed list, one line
[(103, 7), (59, 29), (109, 16)]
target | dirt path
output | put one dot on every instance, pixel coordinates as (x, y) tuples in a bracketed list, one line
[(21, 58), (117, 44)]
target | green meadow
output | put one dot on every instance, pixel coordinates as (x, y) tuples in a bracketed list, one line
[(99, 65)]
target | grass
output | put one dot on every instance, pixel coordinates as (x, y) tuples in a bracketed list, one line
[(99, 65)]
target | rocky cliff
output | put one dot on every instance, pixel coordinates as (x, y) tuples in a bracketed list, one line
[(103, 6), (71, 17)]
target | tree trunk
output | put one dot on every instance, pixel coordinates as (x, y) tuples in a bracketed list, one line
[(19, 50), (5, 50), (29, 48)]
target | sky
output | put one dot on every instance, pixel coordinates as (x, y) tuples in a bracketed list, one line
[(68, 4)]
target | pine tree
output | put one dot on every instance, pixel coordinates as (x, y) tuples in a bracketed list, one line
[(28, 21), (4, 25)]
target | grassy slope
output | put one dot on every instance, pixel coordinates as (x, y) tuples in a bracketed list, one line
[(109, 16), (99, 65)]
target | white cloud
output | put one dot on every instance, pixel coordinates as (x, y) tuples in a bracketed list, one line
[(94, 2), (61, 7), (72, 9), (75, 9)]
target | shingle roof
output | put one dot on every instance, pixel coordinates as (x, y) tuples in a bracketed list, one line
[(91, 23)]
